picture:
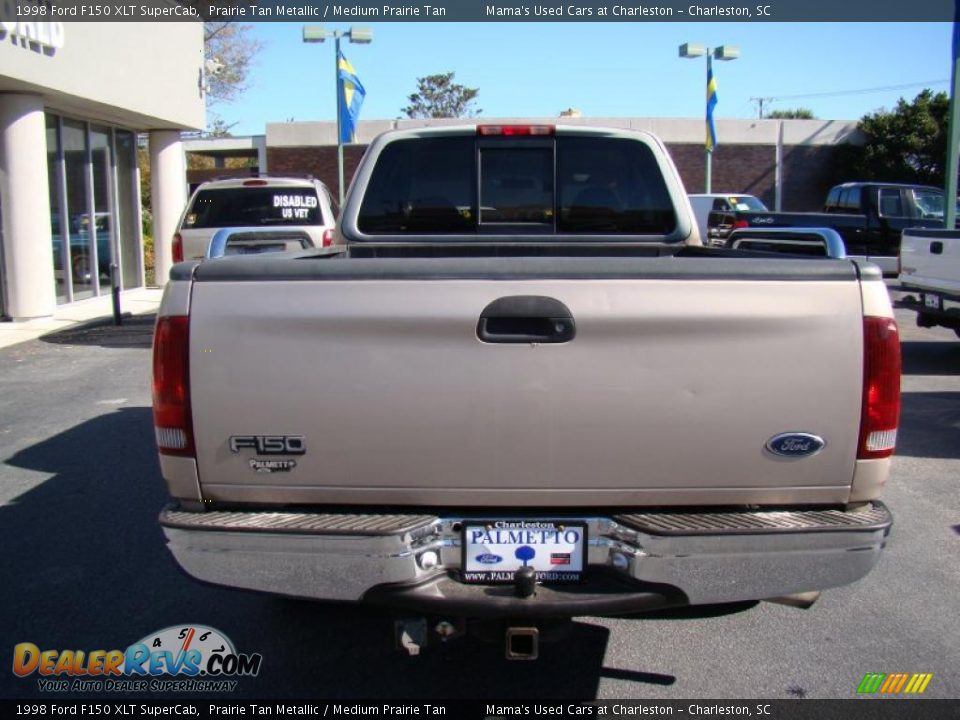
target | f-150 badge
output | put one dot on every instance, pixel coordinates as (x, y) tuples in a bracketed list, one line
[(795, 445), (269, 444)]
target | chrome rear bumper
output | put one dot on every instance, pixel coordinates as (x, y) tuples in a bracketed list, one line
[(637, 561)]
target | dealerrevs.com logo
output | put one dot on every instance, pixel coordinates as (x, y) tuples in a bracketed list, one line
[(180, 658)]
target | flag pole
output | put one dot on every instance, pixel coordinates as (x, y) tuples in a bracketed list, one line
[(708, 147), (339, 120)]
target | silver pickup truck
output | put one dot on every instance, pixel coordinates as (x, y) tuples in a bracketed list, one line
[(519, 388)]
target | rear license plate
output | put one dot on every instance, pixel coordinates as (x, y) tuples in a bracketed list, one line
[(931, 301), (494, 550)]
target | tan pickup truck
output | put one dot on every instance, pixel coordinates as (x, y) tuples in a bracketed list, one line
[(519, 388)]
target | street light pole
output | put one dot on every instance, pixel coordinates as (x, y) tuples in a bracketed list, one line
[(356, 34), (723, 52)]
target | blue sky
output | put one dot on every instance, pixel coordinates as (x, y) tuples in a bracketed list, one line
[(602, 69)]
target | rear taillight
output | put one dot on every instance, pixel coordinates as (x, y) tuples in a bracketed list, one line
[(177, 248), (171, 386), (254, 183), (740, 224), (327, 238), (881, 388)]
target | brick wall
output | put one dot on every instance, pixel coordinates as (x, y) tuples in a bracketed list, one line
[(319, 161), (745, 169), (808, 171)]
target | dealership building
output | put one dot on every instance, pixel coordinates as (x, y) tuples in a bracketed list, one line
[(73, 99)]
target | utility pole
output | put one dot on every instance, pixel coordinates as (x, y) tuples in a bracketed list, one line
[(760, 101)]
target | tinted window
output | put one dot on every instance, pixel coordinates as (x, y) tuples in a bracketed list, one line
[(891, 204), (422, 186), (252, 206), (611, 185), (850, 200), (516, 185), (572, 185)]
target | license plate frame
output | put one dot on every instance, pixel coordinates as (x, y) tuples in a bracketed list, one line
[(555, 559)]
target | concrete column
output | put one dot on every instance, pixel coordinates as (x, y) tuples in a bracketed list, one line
[(260, 143), (168, 175), (25, 206)]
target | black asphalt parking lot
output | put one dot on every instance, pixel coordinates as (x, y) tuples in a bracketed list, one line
[(85, 567)]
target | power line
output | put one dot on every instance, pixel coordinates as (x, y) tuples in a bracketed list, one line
[(761, 101), (861, 91)]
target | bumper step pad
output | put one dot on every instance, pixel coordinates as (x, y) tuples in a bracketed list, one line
[(873, 516), (295, 522)]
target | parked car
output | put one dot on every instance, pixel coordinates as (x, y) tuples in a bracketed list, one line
[(930, 267), (288, 203), (870, 218), (80, 255), (515, 417), (704, 204)]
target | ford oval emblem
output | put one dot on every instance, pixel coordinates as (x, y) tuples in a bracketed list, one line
[(795, 445), (489, 559)]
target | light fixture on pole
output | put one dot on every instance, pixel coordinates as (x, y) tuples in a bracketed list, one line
[(356, 34), (726, 53)]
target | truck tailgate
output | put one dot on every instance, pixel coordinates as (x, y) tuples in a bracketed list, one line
[(680, 372)]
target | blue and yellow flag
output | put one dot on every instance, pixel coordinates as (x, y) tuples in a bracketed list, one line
[(351, 98), (711, 104)]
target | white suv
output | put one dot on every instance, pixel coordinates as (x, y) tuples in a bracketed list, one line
[(290, 204)]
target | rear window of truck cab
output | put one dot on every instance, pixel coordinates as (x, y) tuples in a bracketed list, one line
[(539, 185), (252, 206)]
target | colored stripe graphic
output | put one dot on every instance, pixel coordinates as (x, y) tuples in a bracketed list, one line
[(894, 683), (871, 683), (918, 683)]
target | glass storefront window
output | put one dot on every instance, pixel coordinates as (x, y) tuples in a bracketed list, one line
[(78, 207), (128, 196), (57, 228), (102, 227), (94, 200)]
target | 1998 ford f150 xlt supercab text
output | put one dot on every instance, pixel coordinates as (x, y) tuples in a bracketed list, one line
[(519, 388)]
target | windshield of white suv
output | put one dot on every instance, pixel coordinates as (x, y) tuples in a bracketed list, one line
[(252, 206)]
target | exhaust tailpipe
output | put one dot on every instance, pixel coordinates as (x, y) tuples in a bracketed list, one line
[(522, 643), (802, 600)]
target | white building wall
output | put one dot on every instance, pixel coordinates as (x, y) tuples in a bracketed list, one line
[(141, 75)]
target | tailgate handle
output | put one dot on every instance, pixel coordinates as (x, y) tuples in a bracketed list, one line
[(526, 319), (936, 247)]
